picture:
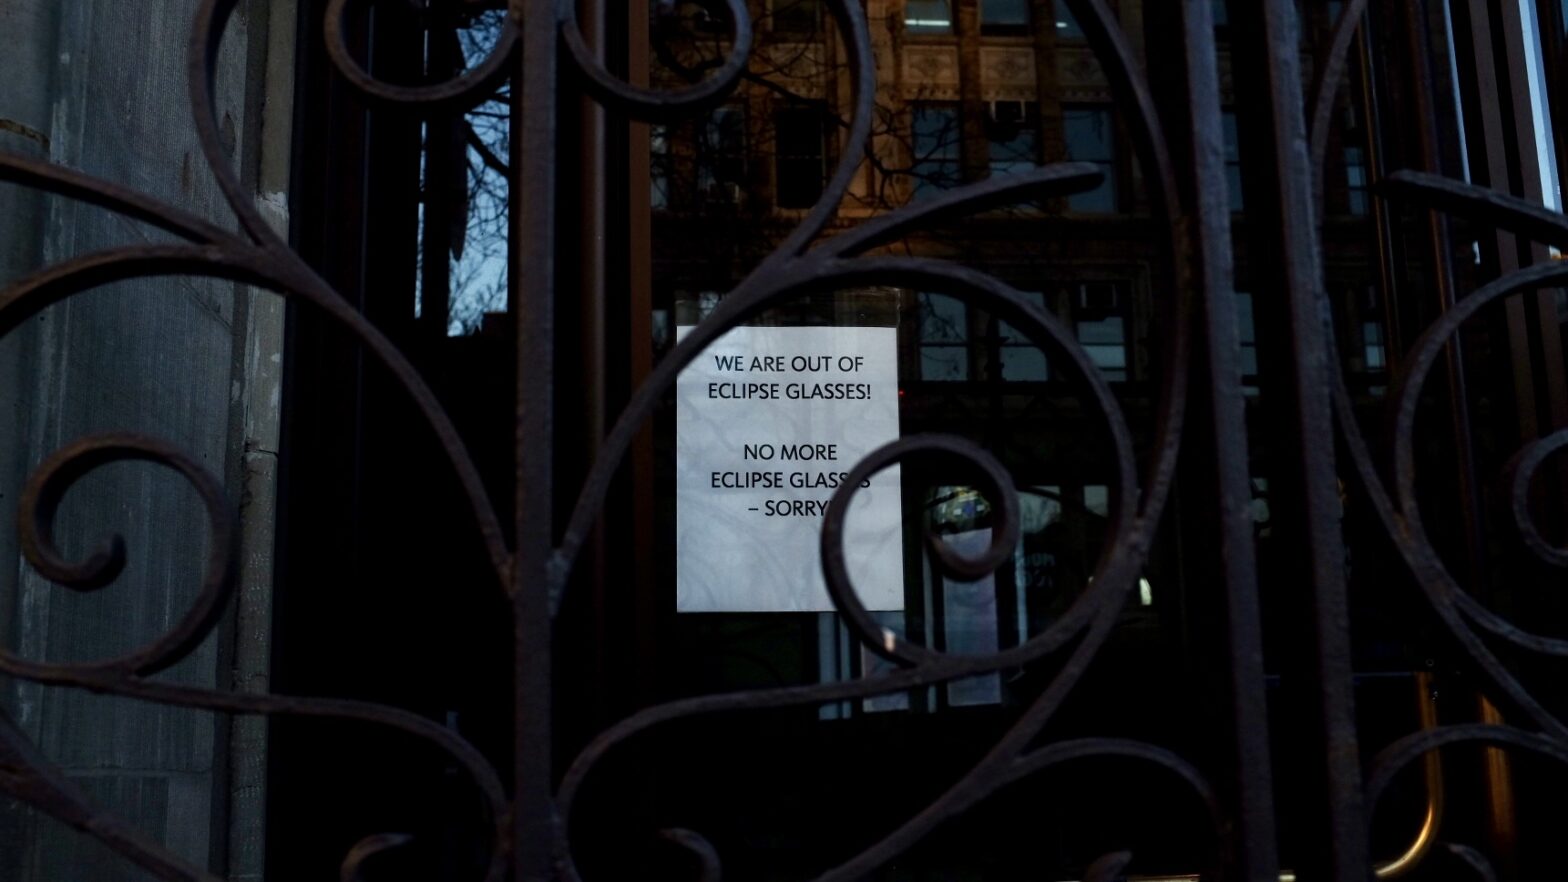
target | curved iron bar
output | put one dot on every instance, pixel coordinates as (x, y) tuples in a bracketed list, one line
[(1395, 757), (1448, 599), (271, 265), (28, 776), (43, 787), (646, 103), (38, 783), (471, 87), (41, 501), (235, 261), (1472, 859), (1328, 78), (201, 71), (1400, 513), (1109, 867), (856, 34), (782, 275), (282, 273), (485, 780), (50, 178), (1523, 468), (367, 848)]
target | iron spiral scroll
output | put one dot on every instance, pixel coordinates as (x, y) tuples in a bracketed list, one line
[(532, 35)]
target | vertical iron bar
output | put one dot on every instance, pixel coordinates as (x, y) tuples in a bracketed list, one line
[(1210, 268), (642, 583), (593, 262), (1418, 57), (1285, 249), (532, 255)]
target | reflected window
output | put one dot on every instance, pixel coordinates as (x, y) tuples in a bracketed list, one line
[(937, 144), (1067, 27), (1101, 326), (1013, 131), (970, 624), (1247, 335), (1247, 340), (1020, 359), (1090, 135), (1232, 159), (944, 338), (659, 167), (1004, 16), (1372, 350), (800, 158), (928, 16), (721, 169), (1356, 180), (1035, 576)]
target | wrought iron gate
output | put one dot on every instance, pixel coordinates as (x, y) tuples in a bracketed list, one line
[(1317, 439)]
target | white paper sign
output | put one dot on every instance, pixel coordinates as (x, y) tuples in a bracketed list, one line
[(768, 423)]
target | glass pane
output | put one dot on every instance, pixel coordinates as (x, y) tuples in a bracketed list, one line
[(1106, 331), (1004, 12), (936, 132), (1012, 148), (1091, 138), (1067, 27), (1088, 133), (659, 166), (1024, 364), (929, 16), (1245, 329), (1009, 334), (1232, 159), (1097, 499), (944, 363), (936, 144), (943, 319), (1372, 340), (1246, 333)]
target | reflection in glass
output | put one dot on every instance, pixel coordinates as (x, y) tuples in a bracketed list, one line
[(1232, 159), (944, 338), (928, 16), (1091, 138), (936, 142)]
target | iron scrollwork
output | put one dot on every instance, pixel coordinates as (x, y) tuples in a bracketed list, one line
[(255, 255)]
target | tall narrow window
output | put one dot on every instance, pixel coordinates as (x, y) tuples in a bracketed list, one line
[(1091, 137), (1013, 130), (659, 167), (1356, 180), (1232, 159), (944, 338), (1246, 335), (1101, 326), (721, 172), (1372, 350), (928, 16), (1021, 359), (937, 145), (800, 162)]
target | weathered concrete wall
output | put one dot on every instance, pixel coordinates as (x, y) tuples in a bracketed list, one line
[(100, 84)]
